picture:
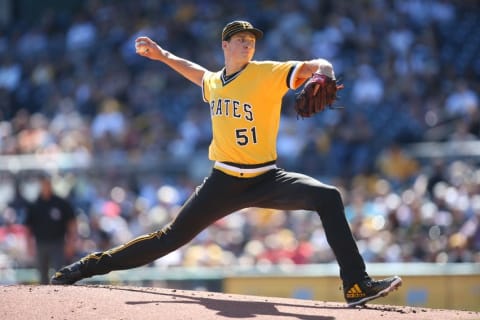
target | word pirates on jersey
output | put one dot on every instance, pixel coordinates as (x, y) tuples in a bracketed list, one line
[(231, 108)]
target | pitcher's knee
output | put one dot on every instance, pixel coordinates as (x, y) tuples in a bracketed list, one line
[(329, 198), (174, 236), (335, 193)]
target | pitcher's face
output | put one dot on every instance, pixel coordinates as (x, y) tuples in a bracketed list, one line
[(240, 47)]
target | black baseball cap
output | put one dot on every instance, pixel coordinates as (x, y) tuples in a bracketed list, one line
[(238, 26)]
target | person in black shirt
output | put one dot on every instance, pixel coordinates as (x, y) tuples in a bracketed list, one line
[(52, 223)]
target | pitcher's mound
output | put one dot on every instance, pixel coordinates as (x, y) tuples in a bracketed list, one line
[(118, 302)]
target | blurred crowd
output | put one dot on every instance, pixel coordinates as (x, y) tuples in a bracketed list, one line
[(71, 83)]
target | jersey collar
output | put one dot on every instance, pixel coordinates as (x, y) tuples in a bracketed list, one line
[(227, 79)]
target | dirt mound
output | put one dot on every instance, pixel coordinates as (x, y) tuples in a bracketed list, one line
[(118, 302)]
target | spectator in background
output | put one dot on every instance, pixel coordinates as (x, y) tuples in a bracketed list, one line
[(462, 101), (350, 147), (13, 238), (368, 88), (397, 165), (437, 175), (52, 224), (110, 120)]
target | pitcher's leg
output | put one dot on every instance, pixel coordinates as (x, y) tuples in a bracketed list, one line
[(339, 235), (135, 253), (204, 207), (292, 191)]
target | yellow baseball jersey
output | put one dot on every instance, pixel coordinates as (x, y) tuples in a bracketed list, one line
[(245, 110)]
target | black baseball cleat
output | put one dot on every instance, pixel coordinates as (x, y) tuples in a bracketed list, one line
[(68, 275), (366, 290)]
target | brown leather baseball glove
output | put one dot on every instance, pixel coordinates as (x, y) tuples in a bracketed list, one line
[(318, 93)]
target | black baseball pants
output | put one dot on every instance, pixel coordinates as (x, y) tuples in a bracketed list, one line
[(221, 194)]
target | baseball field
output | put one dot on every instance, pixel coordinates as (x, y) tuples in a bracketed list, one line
[(97, 302)]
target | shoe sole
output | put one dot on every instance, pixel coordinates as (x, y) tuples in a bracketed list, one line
[(393, 286)]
